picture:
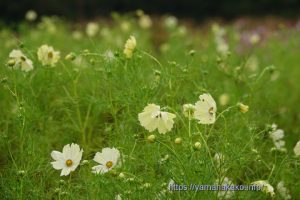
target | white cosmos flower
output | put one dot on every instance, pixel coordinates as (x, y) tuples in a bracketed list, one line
[(265, 187), (145, 21), (297, 149), (30, 15), (225, 194), (188, 110), (118, 197), (205, 109), (92, 29), (107, 159), (277, 136), (47, 55), (21, 60), (129, 47), (68, 160), (153, 118), (283, 191)]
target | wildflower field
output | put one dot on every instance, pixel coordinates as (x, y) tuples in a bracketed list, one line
[(134, 107)]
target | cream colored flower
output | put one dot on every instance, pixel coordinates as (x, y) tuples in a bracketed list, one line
[(68, 160), (283, 191), (265, 187), (47, 55), (108, 159), (171, 22), (92, 29), (145, 21), (21, 60), (118, 197), (219, 158), (129, 47), (254, 38), (30, 15), (277, 136), (188, 110), (153, 118), (225, 194), (205, 109), (224, 99), (297, 149)]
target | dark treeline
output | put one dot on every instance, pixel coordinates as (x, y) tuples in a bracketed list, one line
[(12, 10)]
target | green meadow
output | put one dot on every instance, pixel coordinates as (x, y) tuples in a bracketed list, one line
[(93, 94)]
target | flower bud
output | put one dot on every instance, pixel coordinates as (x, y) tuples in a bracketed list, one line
[(71, 56), (151, 138), (243, 108), (197, 146), (178, 140), (11, 62)]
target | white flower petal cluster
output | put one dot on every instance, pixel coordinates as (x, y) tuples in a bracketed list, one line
[(205, 109), (283, 191), (277, 136), (67, 160), (129, 47), (153, 118), (92, 29), (225, 194), (188, 110), (47, 55), (21, 61), (108, 159), (297, 149), (266, 187)]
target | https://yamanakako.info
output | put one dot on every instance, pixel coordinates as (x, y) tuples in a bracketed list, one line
[(196, 187)]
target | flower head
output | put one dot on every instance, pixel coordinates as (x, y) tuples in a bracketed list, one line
[(129, 47), (188, 110), (108, 159), (153, 118), (297, 149), (145, 21), (30, 15), (205, 109), (68, 160), (277, 136), (47, 55), (20, 60), (243, 108), (92, 29), (225, 194), (266, 187), (224, 99), (283, 191)]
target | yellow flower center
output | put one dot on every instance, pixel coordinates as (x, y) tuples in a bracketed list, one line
[(69, 163), (50, 55), (109, 164)]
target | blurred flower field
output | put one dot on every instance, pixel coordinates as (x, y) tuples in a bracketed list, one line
[(133, 107)]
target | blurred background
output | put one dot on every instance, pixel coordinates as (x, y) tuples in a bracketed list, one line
[(12, 11)]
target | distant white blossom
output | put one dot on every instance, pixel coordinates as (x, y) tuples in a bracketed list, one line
[(283, 191)]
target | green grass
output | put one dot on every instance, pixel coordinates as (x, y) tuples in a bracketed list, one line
[(96, 105)]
